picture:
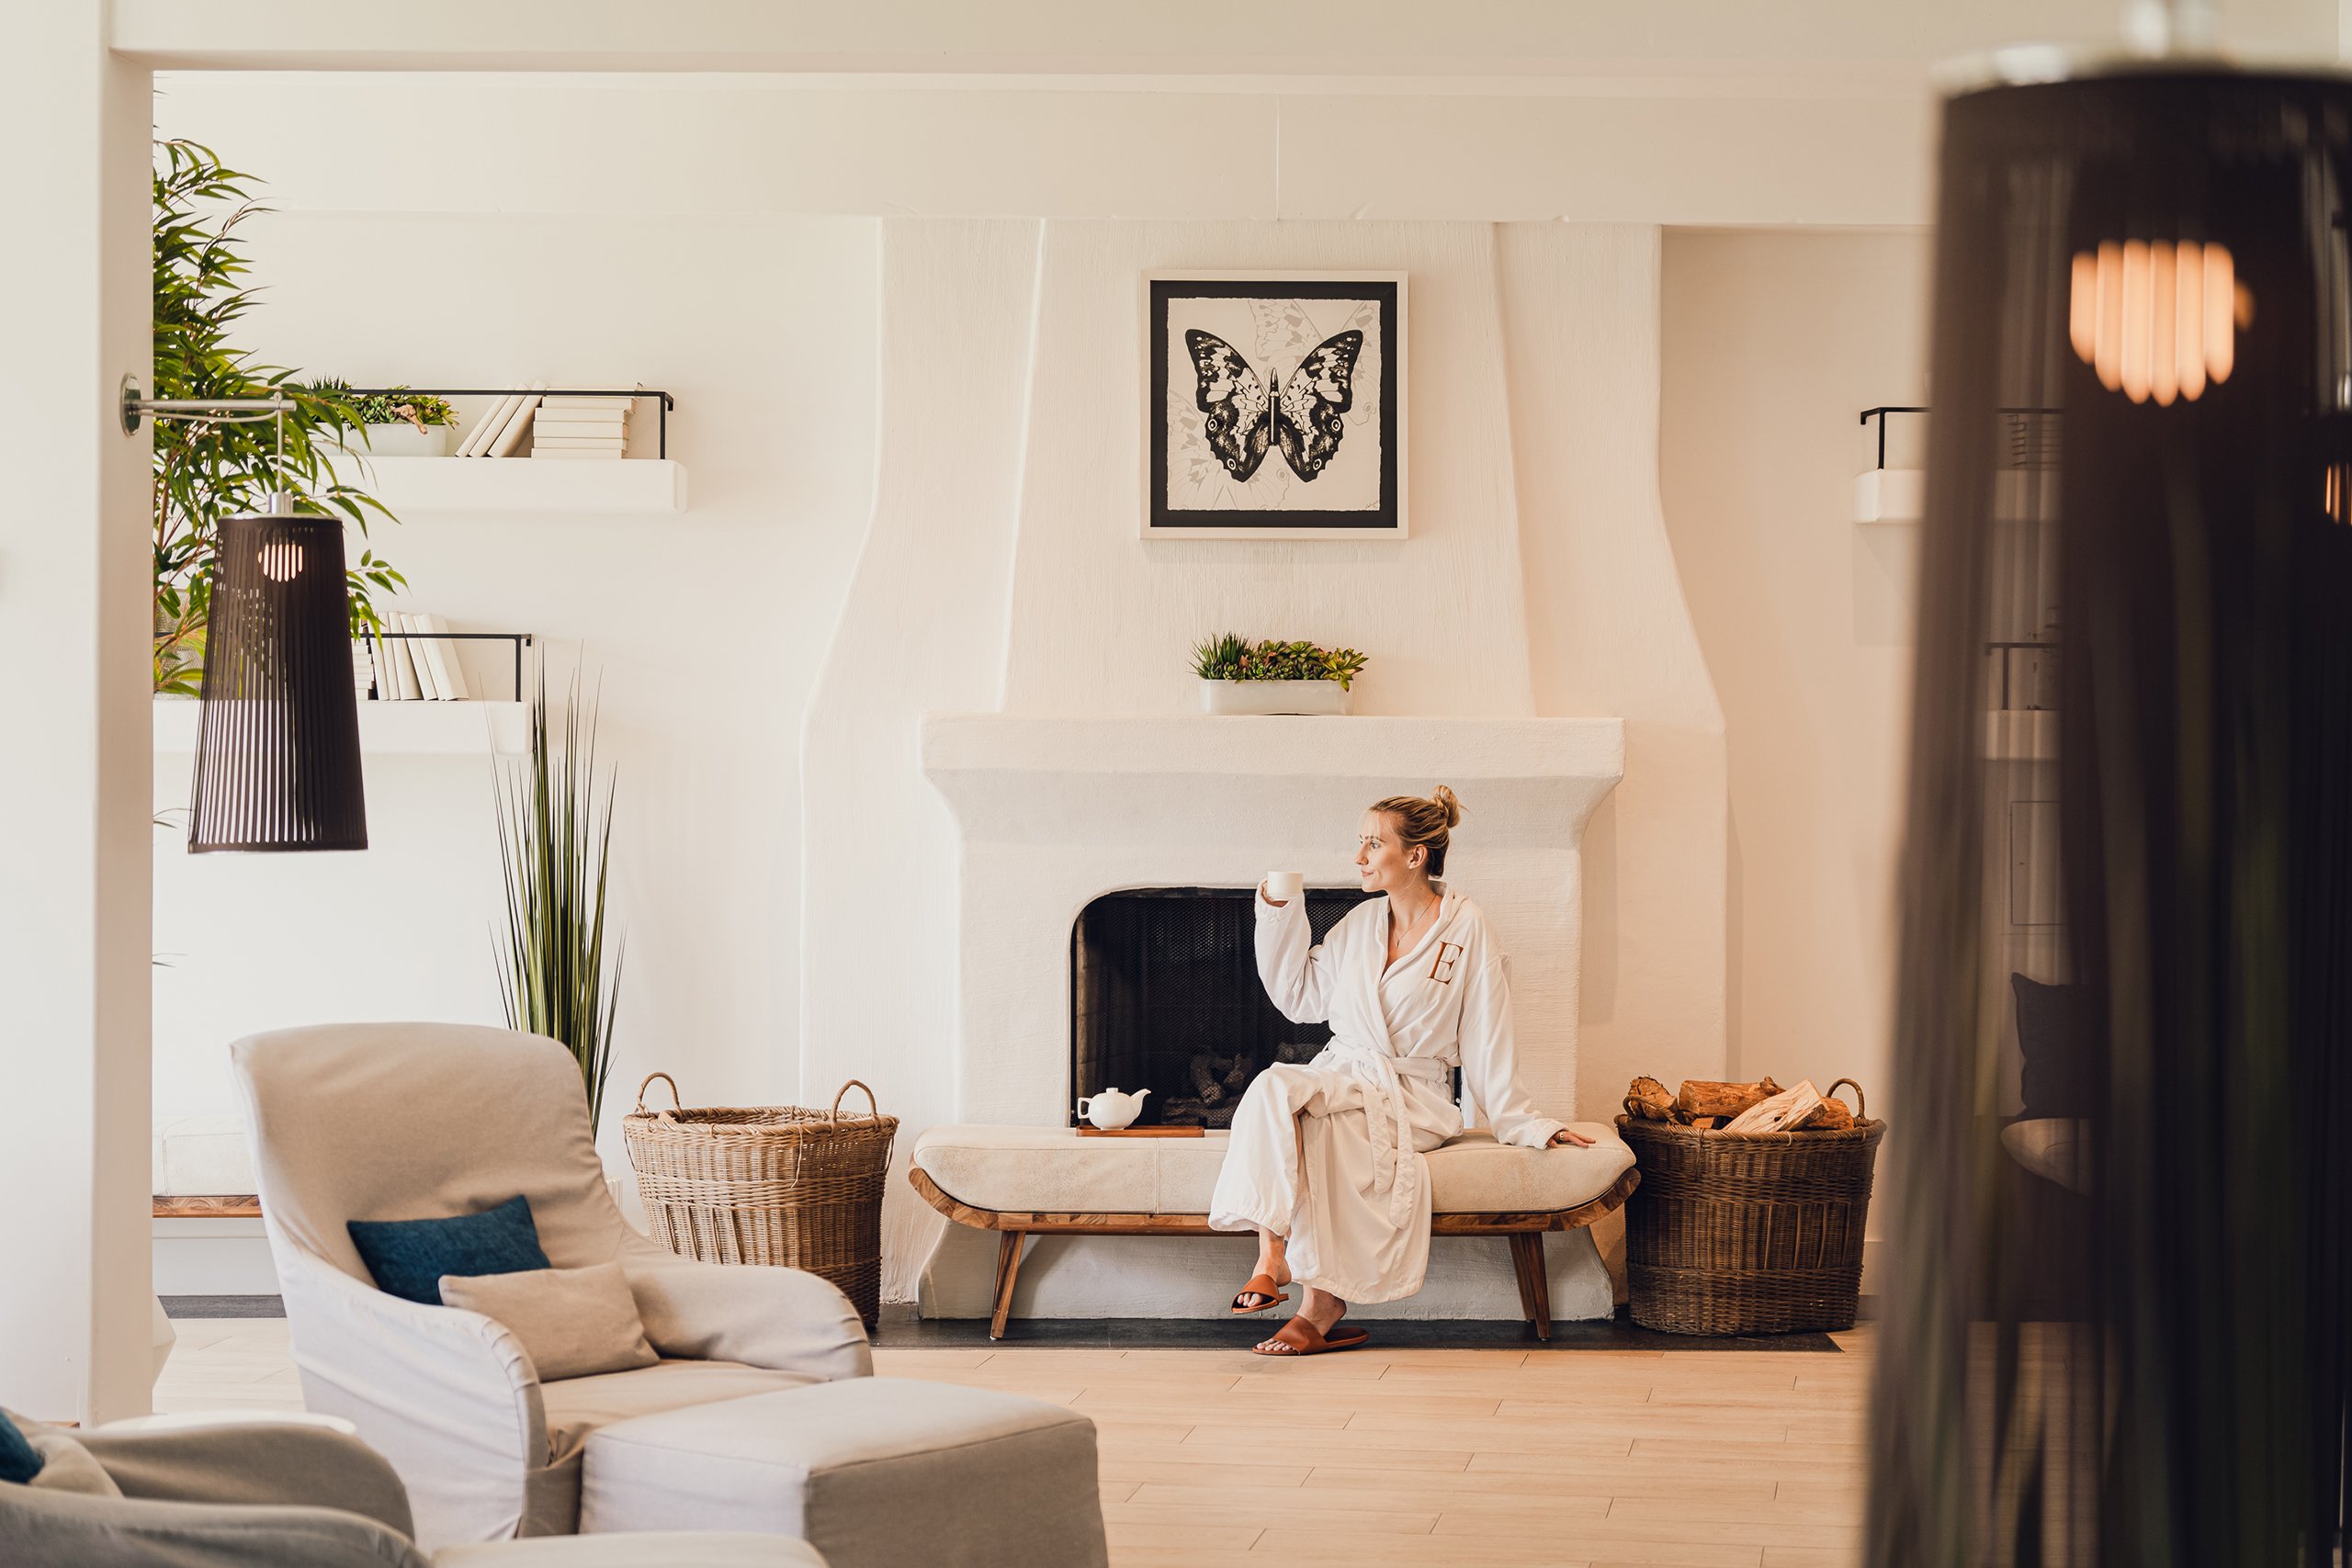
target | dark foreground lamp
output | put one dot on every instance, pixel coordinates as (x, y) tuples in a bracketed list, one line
[(277, 743), (2116, 1327)]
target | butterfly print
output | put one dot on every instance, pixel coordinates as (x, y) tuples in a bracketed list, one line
[(1247, 413)]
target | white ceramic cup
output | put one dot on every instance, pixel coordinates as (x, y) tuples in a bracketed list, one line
[(1282, 886)]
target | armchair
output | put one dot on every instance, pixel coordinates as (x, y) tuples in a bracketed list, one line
[(393, 1120), (372, 1122)]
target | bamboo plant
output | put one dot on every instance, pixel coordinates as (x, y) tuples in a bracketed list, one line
[(206, 470), (555, 834)]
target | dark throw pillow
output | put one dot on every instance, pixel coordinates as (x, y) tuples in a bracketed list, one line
[(408, 1258), (2061, 1076), (19, 1461)]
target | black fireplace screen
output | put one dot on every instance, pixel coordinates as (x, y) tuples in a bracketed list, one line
[(1164, 996)]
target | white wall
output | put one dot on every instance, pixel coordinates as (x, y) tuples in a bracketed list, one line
[(74, 621), (703, 629), (1774, 344)]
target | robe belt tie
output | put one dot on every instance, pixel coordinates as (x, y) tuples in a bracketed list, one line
[(1392, 1141)]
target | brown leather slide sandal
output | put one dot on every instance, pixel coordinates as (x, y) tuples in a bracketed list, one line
[(1301, 1338), (1259, 1285)]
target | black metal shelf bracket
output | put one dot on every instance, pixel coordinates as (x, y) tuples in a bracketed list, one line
[(1880, 414), (667, 401), (520, 640)]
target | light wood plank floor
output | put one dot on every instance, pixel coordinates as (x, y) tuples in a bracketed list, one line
[(1442, 1459)]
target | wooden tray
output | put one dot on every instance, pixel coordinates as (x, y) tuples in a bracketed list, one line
[(1142, 1132)]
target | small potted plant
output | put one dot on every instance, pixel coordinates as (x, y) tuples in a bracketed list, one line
[(1241, 677), (401, 424)]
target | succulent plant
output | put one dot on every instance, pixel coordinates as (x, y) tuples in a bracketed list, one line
[(1231, 657)]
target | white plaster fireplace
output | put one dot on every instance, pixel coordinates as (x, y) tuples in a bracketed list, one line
[(1051, 812)]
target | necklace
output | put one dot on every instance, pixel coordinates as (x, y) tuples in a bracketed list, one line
[(1400, 940)]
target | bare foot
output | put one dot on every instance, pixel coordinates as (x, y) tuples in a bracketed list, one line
[(1273, 1265), (1273, 1259)]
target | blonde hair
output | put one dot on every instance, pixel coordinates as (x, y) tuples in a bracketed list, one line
[(1427, 822)]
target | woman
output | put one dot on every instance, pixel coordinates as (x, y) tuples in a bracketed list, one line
[(1326, 1163)]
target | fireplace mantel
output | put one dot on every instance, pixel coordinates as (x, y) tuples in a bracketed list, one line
[(1054, 811)]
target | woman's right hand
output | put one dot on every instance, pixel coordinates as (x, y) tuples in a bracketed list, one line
[(1268, 898)]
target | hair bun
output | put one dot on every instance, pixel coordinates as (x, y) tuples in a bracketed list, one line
[(1449, 803)]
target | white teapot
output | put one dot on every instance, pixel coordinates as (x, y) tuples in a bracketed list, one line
[(1111, 1110)]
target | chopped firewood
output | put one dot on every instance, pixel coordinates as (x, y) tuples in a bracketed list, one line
[(1783, 1113), (1708, 1124), (1833, 1118), (1701, 1097), (1648, 1100)]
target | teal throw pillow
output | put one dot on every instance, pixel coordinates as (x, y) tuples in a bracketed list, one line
[(18, 1462), (408, 1258)]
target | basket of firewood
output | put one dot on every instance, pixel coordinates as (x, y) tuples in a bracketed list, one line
[(1753, 1201)]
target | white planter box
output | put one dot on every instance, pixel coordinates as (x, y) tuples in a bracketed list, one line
[(401, 439), (1274, 697)]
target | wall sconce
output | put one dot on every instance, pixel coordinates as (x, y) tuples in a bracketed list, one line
[(1889, 495)]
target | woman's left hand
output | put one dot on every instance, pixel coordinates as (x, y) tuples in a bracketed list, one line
[(1570, 1135)]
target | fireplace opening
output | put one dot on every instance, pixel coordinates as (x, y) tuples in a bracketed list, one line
[(1164, 996)]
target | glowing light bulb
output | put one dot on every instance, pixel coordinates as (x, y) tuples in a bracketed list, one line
[(2157, 320), (281, 560)]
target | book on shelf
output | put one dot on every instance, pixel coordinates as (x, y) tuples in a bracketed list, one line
[(568, 403), (428, 683), (545, 424), (363, 667), (405, 688), (510, 439), (494, 420), (442, 656), (581, 443), (557, 454)]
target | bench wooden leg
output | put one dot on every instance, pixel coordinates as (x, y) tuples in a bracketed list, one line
[(1534, 1287), (1008, 1268)]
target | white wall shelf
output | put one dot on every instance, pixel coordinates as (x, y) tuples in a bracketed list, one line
[(417, 728), (641, 486)]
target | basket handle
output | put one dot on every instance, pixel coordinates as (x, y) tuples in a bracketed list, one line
[(1861, 1108), (873, 1111), (675, 1103)]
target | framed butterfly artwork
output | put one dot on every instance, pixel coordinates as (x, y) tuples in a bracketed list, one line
[(1274, 405)]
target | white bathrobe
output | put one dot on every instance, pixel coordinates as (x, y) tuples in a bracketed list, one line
[(1357, 1213)]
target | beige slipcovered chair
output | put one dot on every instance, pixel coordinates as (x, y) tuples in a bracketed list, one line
[(764, 1390), (276, 1495)]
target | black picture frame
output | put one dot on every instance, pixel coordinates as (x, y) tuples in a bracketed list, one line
[(1386, 290)]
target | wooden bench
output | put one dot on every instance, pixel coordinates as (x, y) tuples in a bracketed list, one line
[(1522, 1228)]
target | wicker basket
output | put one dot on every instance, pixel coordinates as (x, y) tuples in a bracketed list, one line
[(776, 1184), (1749, 1233)]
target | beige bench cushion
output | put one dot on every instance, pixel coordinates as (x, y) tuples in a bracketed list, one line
[(1053, 1170)]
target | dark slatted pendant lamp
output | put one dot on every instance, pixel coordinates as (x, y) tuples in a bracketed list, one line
[(2120, 1308), (277, 743)]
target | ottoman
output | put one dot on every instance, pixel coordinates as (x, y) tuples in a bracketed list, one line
[(875, 1472)]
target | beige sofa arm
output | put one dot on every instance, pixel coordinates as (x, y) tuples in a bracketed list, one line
[(68, 1530), (252, 1462), (448, 1396), (765, 1316)]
